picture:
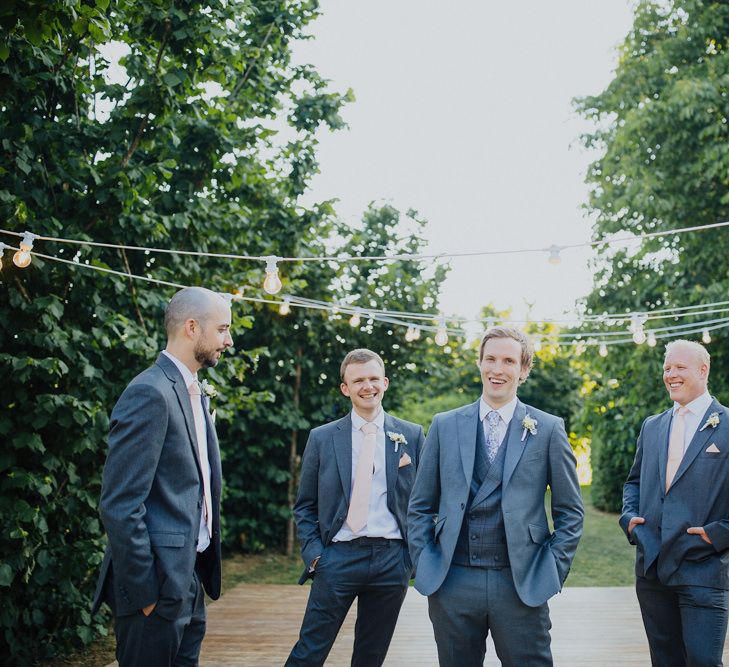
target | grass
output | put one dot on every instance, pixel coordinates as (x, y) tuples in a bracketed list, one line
[(604, 558)]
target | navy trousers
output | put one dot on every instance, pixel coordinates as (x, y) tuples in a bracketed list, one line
[(376, 571), (154, 641), (686, 625), (473, 601)]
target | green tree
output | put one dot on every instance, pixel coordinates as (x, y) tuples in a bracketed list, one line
[(181, 153), (661, 133)]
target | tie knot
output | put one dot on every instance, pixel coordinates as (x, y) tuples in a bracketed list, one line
[(369, 428), (682, 411), (194, 388), (493, 418)]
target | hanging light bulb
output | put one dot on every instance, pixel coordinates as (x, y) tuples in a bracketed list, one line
[(705, 337), (272, 283), (603, 350), (3, 247), (538, 344), (441, 334), (285, 308), (651, 340), (409, 335), (554, 257), (355, 320), (416, 333), (22, 257), (639, 336)]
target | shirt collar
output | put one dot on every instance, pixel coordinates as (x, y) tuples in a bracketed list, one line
[(698, 406), (187, 374), (358, 421), (506, 412)]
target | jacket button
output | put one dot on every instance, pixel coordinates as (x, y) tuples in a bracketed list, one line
[(474, 557), (473, 537)]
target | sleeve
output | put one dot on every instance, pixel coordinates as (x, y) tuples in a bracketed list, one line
[(567, 509), (136, 437), (306, 508), (424, 499), (631, 489)]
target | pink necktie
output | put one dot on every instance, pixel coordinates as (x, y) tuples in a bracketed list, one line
[(675, 445), (202, 450), (359, 504)]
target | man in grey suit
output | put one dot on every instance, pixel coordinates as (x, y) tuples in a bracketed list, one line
[(160, 494), (676, 511), (356, 478), (478, 531)]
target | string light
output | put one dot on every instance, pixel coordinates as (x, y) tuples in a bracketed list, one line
[(285, 308), (603, 350), (3, 248), (705, 337), (272, 283), (639, 336), (22, 257), (554, 257), (651, 340), (441, 334), (409, 335), (416, 333), (355, 320)]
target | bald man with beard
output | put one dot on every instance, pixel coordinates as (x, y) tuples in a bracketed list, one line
[(160, 494)]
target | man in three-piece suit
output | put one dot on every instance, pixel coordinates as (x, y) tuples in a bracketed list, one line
[(478, 531), (160, 495), (356, 478), (676, 511)]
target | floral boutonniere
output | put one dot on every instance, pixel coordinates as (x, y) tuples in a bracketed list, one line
[(208, 389), (397, 438), (712, 420), (529, 424)]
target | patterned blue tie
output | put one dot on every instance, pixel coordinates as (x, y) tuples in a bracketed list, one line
[(492, 438)]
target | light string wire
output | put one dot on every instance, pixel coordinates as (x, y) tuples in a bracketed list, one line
[(373, 258), (577, 338)]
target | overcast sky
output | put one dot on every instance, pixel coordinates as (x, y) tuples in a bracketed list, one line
[(464, 113)]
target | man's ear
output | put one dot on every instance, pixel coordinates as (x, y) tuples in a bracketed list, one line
[(344, 389), (190, 327)]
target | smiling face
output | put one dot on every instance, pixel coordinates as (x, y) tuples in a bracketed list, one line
[(365, 384), (684, 374), (501, 370)]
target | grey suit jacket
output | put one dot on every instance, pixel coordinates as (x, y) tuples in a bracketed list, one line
[(699, 496), (322, 502), (151, 498), (540, 560)]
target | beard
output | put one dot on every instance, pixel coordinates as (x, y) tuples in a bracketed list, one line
[(205, 356)]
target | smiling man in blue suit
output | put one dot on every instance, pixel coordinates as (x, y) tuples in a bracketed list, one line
[(478, 530), (676, 511)]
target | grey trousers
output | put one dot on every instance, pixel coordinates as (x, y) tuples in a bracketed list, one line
[(154, 641), (474, 601)]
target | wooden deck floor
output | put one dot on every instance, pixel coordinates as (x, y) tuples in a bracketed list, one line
[(256, 626)]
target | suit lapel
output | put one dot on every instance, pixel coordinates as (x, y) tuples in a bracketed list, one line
[(213, 448), (343, 453), (392, 459), (514, 446), (698, 441), (183, 397), (664, 426), (466, 424)]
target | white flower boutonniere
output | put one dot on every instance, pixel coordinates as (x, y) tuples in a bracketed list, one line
[(208, 389), (397, 438), (529, 424), (712, 420)]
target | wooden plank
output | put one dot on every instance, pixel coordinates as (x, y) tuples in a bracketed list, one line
[(256, 626)]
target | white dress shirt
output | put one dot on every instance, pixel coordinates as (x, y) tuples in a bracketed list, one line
[(506, 412), (203, 538), (692, 419), (380, 521)]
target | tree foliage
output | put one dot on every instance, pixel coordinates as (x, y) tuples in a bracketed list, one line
[(661, 134)]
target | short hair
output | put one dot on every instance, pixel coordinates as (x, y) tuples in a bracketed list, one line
[(527, 350), (702, 354), (360, 356), (196, 303)]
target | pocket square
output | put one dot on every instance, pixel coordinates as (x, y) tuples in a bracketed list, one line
[(405, 460), (713, 449)]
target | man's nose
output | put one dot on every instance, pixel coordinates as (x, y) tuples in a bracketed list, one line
[(228, 342)]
